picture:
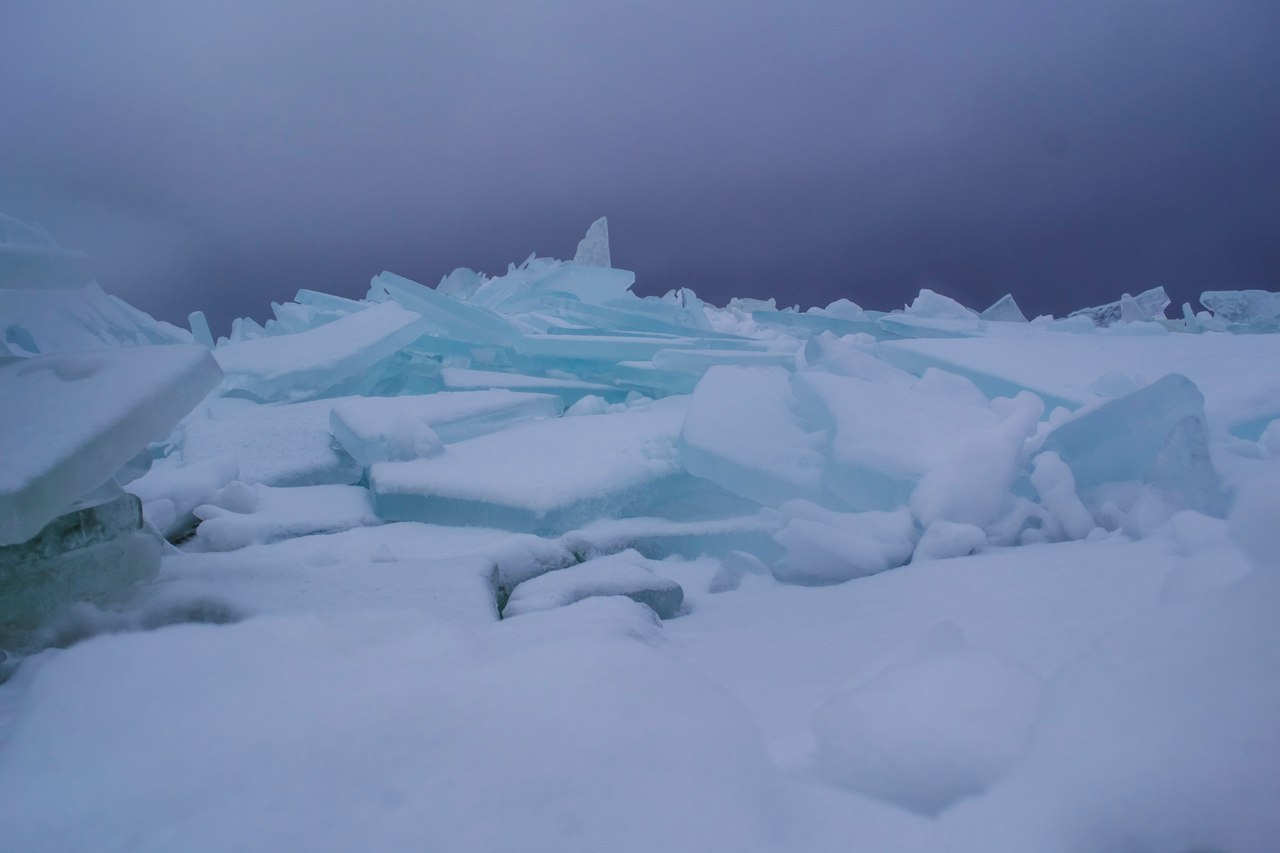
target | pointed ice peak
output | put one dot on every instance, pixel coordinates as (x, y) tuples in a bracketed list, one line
[(1005, 309), (593, 249)]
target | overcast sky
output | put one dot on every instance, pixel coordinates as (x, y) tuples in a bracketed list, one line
[(220, 155)]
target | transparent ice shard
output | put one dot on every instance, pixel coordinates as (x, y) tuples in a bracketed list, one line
[(742, 433), (71, 420), (1146, 306), (1119, 440), (568, 390), (200, 332), (593, 249), (72, 319), (447, 317), (309, 363), (930, 304), (624, 574), (1242, 306)]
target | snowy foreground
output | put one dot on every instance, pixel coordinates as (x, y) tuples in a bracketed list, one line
[(530, 563)]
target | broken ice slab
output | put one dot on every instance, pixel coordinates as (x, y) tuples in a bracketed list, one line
[(930, 304), (883, 438), (447, 317), (625, 574), (306, 365), (568, 390), (825, 547), (804, 325), (95, 552), (1061, 369), (600, 347), (30, 258), (241, 515), (1004, 310), (1146, 306), (659, 538), (47, 321), (1119, 440), (319, 574), (742, 433), (1247, 307), (699, 361), (631, 314), (278, 445), (377, 429), (71, 420), (540, 476)]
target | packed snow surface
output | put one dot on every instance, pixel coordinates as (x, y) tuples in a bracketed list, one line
[(531, 563)]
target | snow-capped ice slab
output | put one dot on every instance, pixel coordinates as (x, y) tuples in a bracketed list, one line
[(279, 445), (884, 438), (240, 515), (825, 547), (309, 363), (1062, 369), (742, 433), (376, 429), (543, 475), (71, 420), (625, 574)]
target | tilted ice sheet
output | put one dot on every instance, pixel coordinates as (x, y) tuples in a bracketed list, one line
[(540, 473), (569, 390), (370, 428), (306, 364), (1241, 392), (70, 420)]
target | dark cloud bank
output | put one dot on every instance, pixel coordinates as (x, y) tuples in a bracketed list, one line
[(223, 155)]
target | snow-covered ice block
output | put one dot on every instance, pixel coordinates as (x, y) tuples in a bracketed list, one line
[(68, 320), (95, 552), (1064, 369), (625, 574), (825, 547), (1119, 440), (541, 475), (31, 258), (240, 514), (926, 732), (376, 429), (742, 433), (170, 492), (278, 445), (883, 438), (1242, 306), (71, 420), (930, 304), (309, 363), (943, 539)]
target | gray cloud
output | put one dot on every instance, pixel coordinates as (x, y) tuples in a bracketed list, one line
[(223, 155)]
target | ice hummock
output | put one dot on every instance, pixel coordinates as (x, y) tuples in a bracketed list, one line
[(1033, 615)]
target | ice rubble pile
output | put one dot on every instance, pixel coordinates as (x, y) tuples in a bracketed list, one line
[(825, 444)]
